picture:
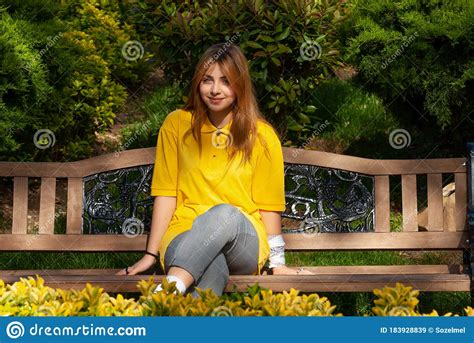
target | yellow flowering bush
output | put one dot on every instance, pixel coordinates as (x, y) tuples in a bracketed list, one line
[(402, 301), (30, 297)]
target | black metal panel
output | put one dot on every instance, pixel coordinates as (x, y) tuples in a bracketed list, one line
[(320, 199), (118, 201), (328, 200)]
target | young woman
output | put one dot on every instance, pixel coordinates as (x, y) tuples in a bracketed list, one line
[(218, 182)]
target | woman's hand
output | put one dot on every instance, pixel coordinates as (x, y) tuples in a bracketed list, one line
[(284, 270), (146, 262)]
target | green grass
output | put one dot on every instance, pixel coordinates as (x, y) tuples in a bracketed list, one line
[(66, 260), (350, 258)]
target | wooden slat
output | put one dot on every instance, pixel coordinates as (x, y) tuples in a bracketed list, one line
[(377, 241), (382, 204), (295, 242), (409, 203), (435, 202), (136, 157), (460, 219), (449, 202), (20, 205), (351, 283), (47, 205), (67, 242), (374, 166), (93, 165), (320, 270), (278, 283), (74, 205)]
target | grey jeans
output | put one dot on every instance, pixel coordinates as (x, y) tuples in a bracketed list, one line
[(221, 241)]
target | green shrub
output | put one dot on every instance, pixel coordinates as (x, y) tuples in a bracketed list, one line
[(270, 34), (418, 50), (64, 72), (24, 86), (350, 114), (144, 133)]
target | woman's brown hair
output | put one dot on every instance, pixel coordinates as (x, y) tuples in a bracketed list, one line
[(246, 113)]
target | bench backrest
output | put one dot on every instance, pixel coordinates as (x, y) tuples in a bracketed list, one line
[(333, 202)]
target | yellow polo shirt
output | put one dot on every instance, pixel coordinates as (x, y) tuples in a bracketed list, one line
[(200, 184)]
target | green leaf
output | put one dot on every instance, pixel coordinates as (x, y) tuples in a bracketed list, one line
[(283, 48), (283, 35), (304, 118), (293, 125), (265, 38), (276, 61), (254, 45)]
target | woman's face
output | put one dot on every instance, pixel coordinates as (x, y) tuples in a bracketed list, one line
[(215, 90)]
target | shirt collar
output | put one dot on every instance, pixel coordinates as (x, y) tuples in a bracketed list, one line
[(209, 127)]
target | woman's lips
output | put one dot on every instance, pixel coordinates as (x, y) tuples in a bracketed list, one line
[(216, 100)]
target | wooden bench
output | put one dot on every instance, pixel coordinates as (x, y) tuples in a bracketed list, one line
[(334, 203)]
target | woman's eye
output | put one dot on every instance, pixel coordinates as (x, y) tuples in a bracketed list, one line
[(225, 82), (206, 80)]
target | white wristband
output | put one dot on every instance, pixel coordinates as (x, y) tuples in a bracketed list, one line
[(277, 250)]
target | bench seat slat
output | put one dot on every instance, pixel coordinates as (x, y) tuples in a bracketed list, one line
[(304, 283), (387, 269)]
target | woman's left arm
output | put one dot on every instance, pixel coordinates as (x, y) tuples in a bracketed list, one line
[(272, 222)]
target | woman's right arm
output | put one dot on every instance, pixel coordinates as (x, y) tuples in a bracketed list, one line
[(163, 210)]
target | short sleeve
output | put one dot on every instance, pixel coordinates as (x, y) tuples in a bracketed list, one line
[(165, 171), (268, 182)]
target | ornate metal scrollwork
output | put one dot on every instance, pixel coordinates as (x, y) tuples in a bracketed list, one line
[(118, 201), (328, 200), (319, 199)]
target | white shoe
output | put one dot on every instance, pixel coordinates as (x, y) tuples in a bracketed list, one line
[(159, 288)]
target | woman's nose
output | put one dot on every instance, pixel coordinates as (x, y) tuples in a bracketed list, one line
[(216, 89)]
